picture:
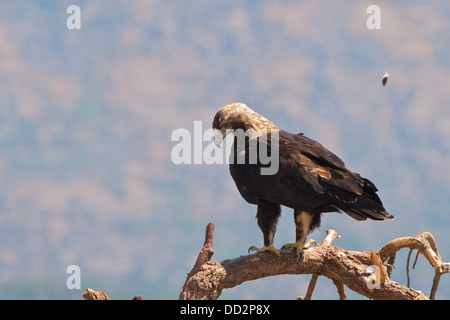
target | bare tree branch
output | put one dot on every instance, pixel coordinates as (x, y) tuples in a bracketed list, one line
[(207, 251), (344, 267), (425, 244), (331, 236), (191, 288), (90, 294), (312, 285), (341, 289)]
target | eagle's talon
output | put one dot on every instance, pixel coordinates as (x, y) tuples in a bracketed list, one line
[(264, 249), (299, 247)]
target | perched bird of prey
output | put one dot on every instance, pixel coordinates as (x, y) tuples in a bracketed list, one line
[(385, 78), (310, 179)]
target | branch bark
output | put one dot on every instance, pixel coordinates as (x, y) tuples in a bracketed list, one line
[(208, 278), (90, 294)]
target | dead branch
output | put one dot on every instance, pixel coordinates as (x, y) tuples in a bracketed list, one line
[(425, 244), (331, 236), (208, 278), (207, 249), (189, 291), (90, 294)]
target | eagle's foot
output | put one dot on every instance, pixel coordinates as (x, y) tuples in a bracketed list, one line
[(264, 249), (299, 247)]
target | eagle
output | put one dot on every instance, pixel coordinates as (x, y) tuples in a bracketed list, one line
[(309, 179)]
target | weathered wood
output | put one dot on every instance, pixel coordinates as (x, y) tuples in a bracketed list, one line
[(90, 294), (343, 267)]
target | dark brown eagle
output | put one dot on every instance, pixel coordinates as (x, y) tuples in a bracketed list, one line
[(310, 179)]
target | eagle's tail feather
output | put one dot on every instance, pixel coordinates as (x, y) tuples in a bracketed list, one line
[(362, 214), (367, 205)]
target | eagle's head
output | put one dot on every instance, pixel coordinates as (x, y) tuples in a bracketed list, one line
[(236, 116)]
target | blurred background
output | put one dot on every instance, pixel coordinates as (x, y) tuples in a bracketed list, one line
[(86, 118)]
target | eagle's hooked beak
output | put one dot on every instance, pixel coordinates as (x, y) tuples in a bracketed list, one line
[(218, 137)]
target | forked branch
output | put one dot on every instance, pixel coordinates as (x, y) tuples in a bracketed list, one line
[(348, 268)]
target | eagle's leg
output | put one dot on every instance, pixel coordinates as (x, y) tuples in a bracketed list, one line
[(267, 215), (305, 222)]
